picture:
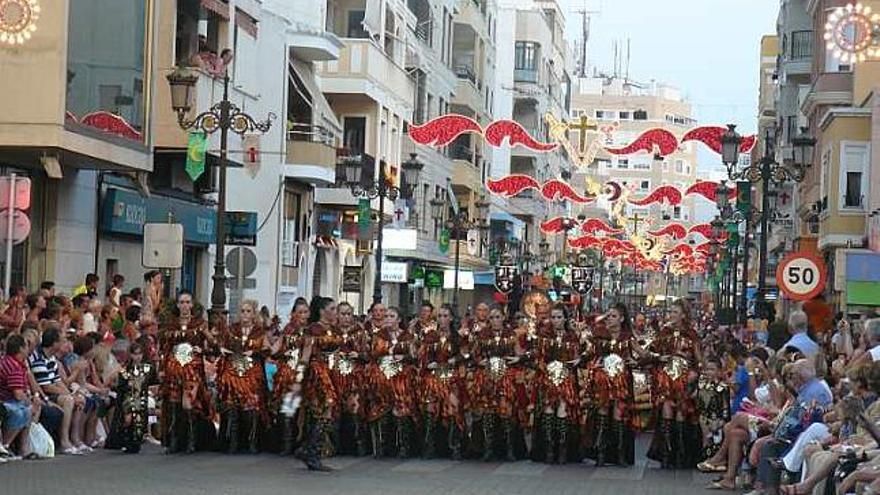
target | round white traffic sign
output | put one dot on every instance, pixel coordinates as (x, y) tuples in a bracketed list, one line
[(801, 276)]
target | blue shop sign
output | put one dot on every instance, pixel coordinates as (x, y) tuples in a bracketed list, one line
[(126, 212)]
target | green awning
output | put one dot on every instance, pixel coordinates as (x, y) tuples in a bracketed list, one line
[(863, 293)]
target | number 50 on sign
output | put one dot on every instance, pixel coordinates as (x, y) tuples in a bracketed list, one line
[(801, 276)]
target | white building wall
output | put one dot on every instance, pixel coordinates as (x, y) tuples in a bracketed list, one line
[(262, 192)]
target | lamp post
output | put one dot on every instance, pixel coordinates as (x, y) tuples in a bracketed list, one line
[(749, 216), (381, 189), (224, 116), (765, 171), (458, 222)]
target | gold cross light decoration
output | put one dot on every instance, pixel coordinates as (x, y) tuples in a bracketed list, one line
[(18, 20)]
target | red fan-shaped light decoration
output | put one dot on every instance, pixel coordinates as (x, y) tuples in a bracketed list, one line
[(442, 130), (512, 185), (516, 135), (557, 190), (666, 193), (657, 141), (675, 230)]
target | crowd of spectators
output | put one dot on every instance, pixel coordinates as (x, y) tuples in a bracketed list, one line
[(59, 358), (804, 414)]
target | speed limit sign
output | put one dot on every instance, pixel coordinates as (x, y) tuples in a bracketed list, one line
[(801, 276)]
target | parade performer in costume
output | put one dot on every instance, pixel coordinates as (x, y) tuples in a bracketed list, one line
[(131, 421), (440, 382), (349, 377), (610, 387), (186, 402), (492, 391), (560, 352), (287, 381), (535, 320), (425, 322), (713, 403), (391, 384), (320, 396), (241, 379), (676, 348)]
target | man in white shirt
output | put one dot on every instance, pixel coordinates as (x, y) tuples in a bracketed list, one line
[(797, 327)]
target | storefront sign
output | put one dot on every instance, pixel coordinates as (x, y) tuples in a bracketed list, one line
[(241, 228), (402, 239), (433, 279), (126, 212), (465, 280), (351, 279), (394, 272)]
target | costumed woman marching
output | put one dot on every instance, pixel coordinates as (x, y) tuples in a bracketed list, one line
[(287, 381), (241, 379), (186, 403), (610, 387), (320, 397), (676, 442), (441, 408), (391, 388), (559, 351), (349, 376)]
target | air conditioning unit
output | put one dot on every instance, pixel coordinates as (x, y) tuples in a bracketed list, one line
[(290, 252)]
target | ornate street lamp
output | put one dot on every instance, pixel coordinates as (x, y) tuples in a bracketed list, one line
[(223, 116), (381, 189), (767, 170), (458, 223), (803, 146)]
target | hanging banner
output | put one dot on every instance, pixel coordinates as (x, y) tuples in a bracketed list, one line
[(401, 214), (250, 143), (443, 242), (744, 196), (473, 241), (195, 155), (364, 220)]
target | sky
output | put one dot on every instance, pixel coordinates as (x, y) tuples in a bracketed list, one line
[(710, 49)]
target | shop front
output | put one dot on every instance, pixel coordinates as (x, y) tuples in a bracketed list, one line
[(120, 245)]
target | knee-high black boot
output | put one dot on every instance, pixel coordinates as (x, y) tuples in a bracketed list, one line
[(231, 433), (454, 439), (488, 437), (191, 435), (430, 440), (311, 453), (562, 430), (680, 445), (403, 437), (601, 441), (621, 448), (253, 420), (548, 425), (376, 438), (666, 427), (287, 435), (360, 436), (510, 439), (172, 442)]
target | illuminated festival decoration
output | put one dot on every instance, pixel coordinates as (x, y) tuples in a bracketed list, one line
[(18, 20), (852, 33), (664, 194)]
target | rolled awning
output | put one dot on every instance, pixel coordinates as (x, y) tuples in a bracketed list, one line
[(219, 7), (322, 113)]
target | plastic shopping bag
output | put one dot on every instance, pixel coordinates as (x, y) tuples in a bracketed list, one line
[(41, 442)]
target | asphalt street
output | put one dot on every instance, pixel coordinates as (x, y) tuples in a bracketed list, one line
[(152, 472)]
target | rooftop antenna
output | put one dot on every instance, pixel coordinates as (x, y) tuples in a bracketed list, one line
[(628, 46), (586, 21)]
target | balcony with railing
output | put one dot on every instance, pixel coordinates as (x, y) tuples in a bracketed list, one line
[(525, 75), (362, 59), (311, 154), (798, 57)]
